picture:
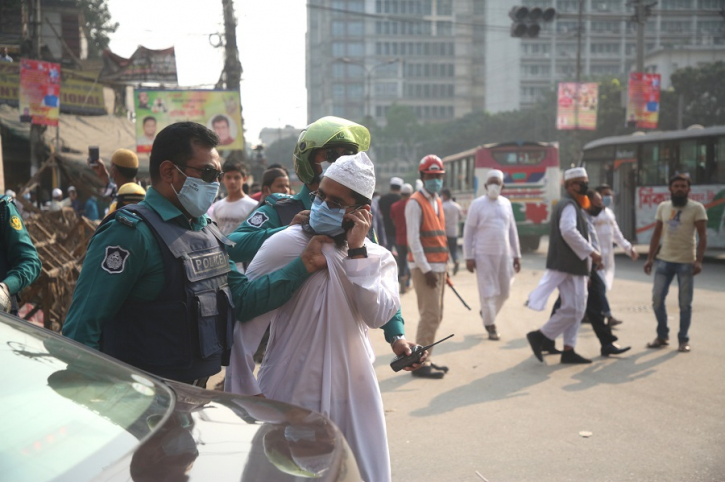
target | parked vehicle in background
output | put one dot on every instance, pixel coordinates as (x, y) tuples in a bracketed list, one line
[(532, 179), (639, 166), (70, 413)]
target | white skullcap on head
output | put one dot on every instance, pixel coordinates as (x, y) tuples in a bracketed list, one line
[(57, 192), (575, 172), (355, 172), (10, 193), (396, 181), (418, 184), (406, 189), (495, 173)]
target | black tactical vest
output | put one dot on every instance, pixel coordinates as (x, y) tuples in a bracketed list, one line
[(184, 333)]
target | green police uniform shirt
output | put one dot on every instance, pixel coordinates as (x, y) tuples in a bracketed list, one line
[(263, 223), (124, 262), (19, 263)]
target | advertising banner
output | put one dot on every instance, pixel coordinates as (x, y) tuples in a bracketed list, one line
[(39, 95), (219, 110), (79, 94), (711, 196), (643, 105), (577, 108), (145, 65)]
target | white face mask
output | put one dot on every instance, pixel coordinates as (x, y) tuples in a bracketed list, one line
[(493, 191)]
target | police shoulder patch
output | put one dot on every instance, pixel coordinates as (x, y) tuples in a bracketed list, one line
[(15, 223), (257, 219), (115, 259)]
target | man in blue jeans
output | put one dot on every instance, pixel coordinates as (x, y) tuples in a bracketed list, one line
[(677, 221)]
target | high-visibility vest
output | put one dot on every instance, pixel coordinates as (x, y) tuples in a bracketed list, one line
[(432, 230)]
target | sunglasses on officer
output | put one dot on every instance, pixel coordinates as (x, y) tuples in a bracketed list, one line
[(333, 153), (208, 174)]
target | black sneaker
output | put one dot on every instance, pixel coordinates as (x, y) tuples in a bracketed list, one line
[(549, 346), (427, 372), (572, 357)]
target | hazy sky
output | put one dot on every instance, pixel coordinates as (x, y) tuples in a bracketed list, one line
[(271, 41)]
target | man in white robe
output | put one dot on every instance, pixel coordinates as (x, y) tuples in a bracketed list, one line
[(608, 232), (319, 355), (567, 269), (491, 248)]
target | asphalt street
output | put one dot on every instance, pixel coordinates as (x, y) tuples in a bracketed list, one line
[(501, 415)]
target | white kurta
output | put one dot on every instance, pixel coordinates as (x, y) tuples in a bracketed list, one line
[(319, 355), (572, 288), (608, 232), (490, 238)]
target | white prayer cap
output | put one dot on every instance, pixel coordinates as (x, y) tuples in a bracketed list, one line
[(495, 174), (575, 172), (71, 188), (396, 181), (356, 172), (406, 189), (418, 184), (57, 193), (10, 193)]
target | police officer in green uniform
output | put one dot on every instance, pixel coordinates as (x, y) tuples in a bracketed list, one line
[(157, 289), (19, 261), (322, 142)]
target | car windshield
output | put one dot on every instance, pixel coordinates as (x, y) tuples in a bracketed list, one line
[(68, 413)]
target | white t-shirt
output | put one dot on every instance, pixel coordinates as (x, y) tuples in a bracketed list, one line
[(229, 215)]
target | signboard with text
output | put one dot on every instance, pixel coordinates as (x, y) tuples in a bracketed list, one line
[(39, 94), (79, 93), (219, 110), (643, 105), (577, 107)]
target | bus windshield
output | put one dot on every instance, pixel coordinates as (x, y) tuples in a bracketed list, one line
[(529, 157)]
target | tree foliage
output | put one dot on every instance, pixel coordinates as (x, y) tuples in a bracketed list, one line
[(97, 26)]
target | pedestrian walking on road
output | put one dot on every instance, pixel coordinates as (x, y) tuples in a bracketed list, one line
[(428, 256), (677, 222), (491, 249), (567, 269), (454, 213), (608, 233), (384, 205)]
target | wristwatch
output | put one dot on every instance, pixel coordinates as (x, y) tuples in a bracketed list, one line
[(396, 338), (363, 251)]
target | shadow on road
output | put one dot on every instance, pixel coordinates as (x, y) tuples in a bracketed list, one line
[(509, 383), (619, 370)]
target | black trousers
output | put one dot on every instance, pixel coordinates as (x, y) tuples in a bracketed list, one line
[(596, 304), (402, 260)]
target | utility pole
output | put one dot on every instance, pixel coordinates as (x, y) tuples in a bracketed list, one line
[(579, 29), (641, 20), (232, 74)]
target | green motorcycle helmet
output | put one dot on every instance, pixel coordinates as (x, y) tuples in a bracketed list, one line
[(327, 132)]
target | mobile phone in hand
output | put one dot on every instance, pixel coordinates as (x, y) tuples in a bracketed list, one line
[(93, 155)]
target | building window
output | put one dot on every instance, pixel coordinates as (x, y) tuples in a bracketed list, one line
[(355, 49), (355, 91), (338, 49), (444, 7), (338, 28), (338, 91), (479, 7), (444, 29), (338, 70)]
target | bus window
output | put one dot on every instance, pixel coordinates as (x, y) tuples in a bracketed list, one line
[(719, 161), (653, 171), (693, 159), (532, 157), (505, 158)]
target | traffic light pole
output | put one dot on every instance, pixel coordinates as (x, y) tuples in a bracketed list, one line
[(641, 19)]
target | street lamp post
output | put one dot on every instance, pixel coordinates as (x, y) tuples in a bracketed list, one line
[(368, 77)]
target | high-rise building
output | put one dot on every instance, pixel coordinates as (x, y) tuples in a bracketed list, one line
[(446, 58)]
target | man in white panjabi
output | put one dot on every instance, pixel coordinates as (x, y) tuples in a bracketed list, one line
[(319, 356), (567, 269), (491, 248), (608, 232)]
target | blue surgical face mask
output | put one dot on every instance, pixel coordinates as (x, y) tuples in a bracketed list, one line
[(324, 220), (196, 195), (607, 200), (433, 185)]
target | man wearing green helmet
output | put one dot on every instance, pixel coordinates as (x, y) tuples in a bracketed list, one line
[(320, 143)]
